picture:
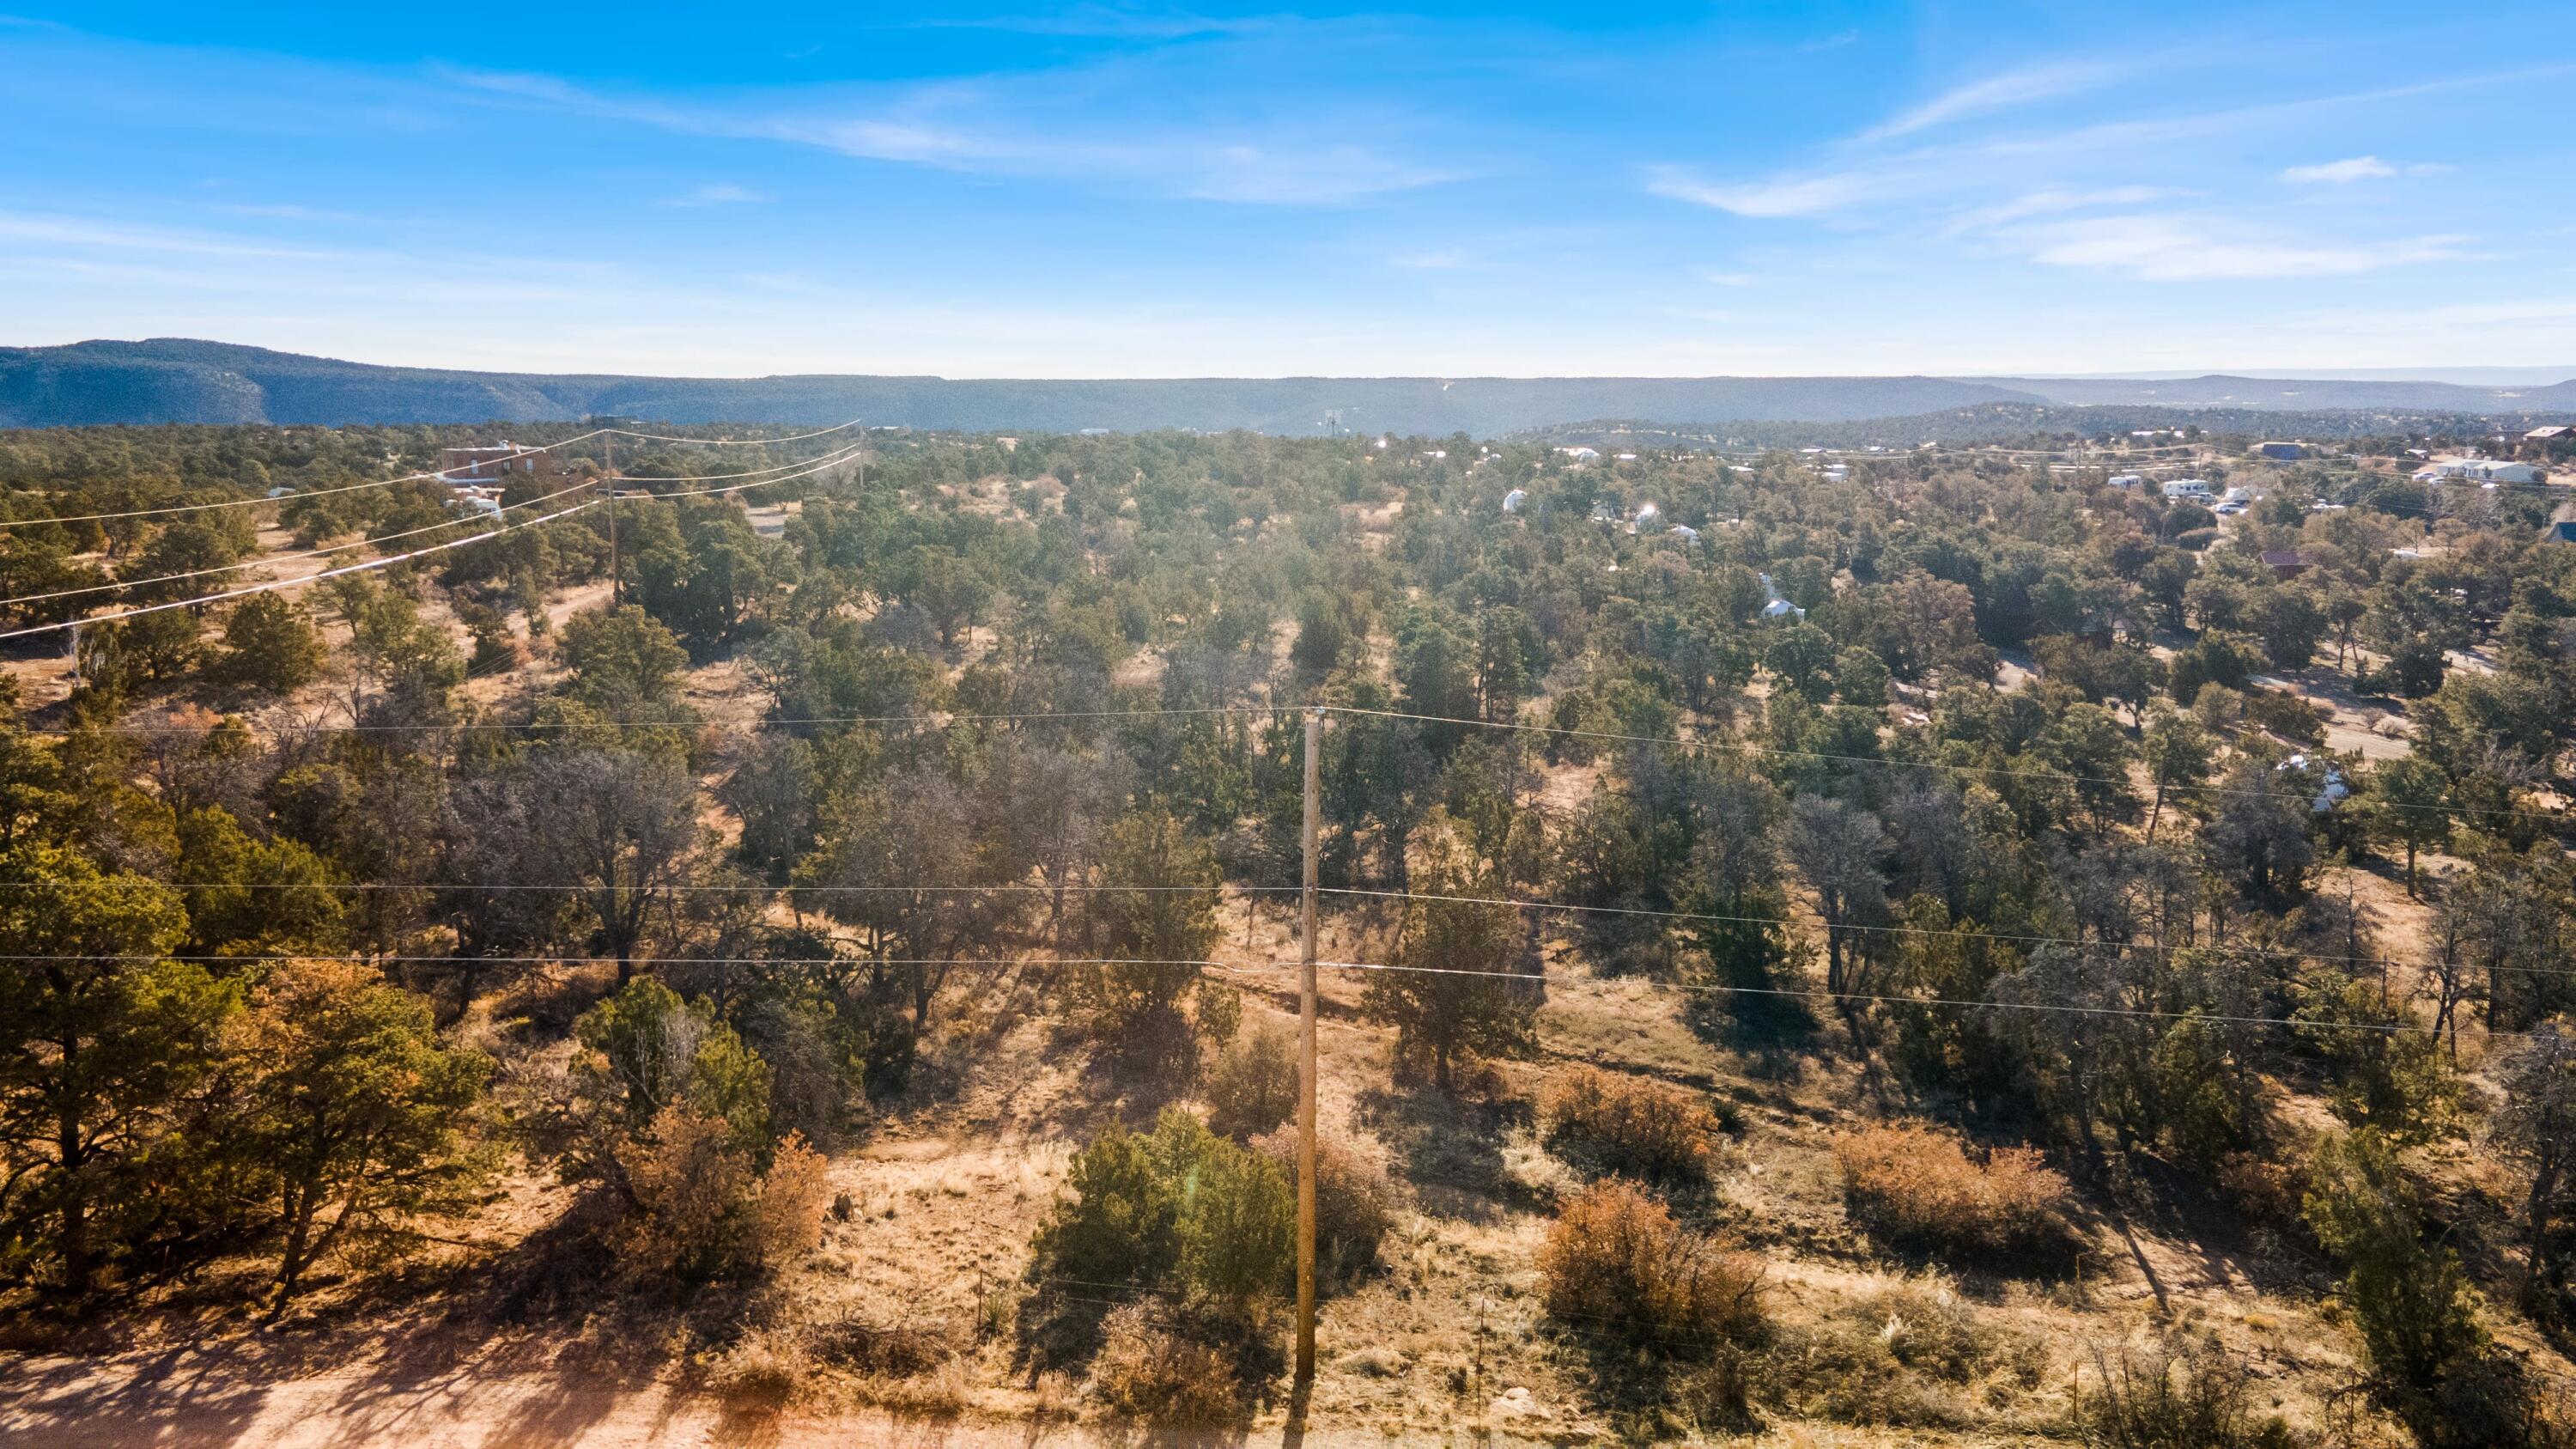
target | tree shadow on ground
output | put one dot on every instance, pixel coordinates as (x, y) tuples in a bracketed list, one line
[(1450, 1148), (1773, 1036), (1065, 1329)]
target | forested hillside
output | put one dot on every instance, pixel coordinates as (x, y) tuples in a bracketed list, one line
[(177, 380), (1941, 952)]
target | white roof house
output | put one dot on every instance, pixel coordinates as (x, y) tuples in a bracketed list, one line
[(1685, 533), (2126, 480), (1778, 608), (1513, 500), (2195, 489), (2480, 470), (1581, 455)]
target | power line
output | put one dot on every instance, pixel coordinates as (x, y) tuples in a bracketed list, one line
[(729, 442), (1662, 741), (787, 892), (119, 585), (308, 493), (1819, 994), (692, 888), (940, 721), (275, 584), (1238, 968), (1735, 747), (1952, 933), (362, 958), (439, 475)]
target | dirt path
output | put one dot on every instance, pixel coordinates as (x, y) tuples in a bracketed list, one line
[(189, 1398), (221, 1399)]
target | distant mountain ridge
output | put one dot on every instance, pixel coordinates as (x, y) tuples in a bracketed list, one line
[(178, 380)]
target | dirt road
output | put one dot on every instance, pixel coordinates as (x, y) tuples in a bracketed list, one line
[(200, 1399)]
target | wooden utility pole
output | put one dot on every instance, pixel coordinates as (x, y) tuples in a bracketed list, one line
[(1306, 1062), (616, 575)]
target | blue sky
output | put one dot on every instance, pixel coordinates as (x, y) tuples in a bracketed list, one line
[(1117, 190)]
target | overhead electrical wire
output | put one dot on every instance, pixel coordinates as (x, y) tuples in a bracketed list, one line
[(440, 475), (1733, 747), (377, 563), (308, 493), (839, 455), (789, 892), (1242, 968), (275, 584), (118, 585), (934, 719), (938, 720), (1822, 994)]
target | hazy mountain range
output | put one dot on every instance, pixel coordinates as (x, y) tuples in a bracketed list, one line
[(177, 380)]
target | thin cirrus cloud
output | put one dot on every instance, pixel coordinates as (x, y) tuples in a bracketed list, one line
[(2053, 201), (1271, 171), (2001, 92), (1785, 196), (717, 194), (1023, 131), (2350, 169), (2178, 248)]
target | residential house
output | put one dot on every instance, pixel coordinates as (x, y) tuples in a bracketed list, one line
[(485, 465)]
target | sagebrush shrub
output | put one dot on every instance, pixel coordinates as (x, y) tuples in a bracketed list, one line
[(1157, 1372), (1629, 1125), (1616, 1262), (1916, 1185), (1354, 1203), (785, 1215), (1253, 1087), (701, 1207), (687, 1177)]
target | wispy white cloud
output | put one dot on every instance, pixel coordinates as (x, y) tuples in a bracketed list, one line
[(1447, 259), (86, 233), (2351, 168), (289, 211), (1729, 279), (716, 194), (2004, 91), (2180, 248), (2056, 200), (1032, 130), (1783, 196)]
